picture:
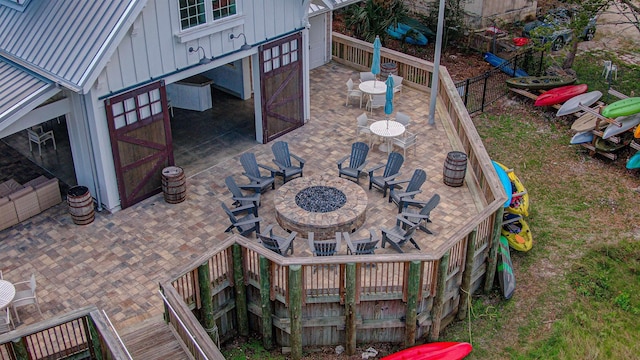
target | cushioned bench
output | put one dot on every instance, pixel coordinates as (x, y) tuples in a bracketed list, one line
[(20, 202)]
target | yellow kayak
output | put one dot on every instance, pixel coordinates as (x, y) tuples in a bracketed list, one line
[(517, 232), (520, 197)]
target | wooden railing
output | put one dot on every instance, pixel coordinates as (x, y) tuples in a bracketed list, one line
[(82, 333)]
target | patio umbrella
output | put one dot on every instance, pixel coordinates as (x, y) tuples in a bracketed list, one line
[(388, 105), (375, 64)]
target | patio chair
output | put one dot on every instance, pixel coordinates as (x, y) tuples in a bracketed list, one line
[(405, 142), (366, 246), (420, 211), (391, 171), (246, 224), (283, 159), (240, 199), (403, 118), (364, 127), (258, 182), (6, 324), (352, 93), (37, 135), (367, 76), (400, 234), (357, 161), (324, 247), (376, 101), (413, 188), (25, 295), (278, 244), (397, 83)]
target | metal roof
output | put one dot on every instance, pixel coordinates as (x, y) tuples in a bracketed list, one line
[(64, 40), (20, 89)]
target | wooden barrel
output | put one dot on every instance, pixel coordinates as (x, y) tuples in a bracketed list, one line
[(174, 185), (387, 69), (80, 205), (455, 167)]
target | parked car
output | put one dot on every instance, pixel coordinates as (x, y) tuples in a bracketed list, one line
[(553, 28)]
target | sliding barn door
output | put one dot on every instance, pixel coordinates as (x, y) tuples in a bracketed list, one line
[(281, 84), (140, 131)]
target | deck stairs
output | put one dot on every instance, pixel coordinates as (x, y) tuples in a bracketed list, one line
[(153, 339)]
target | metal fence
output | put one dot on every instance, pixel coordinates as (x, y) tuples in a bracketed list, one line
[(480, 91)]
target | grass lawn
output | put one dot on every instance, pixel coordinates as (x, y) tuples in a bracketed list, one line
[(577, 289)]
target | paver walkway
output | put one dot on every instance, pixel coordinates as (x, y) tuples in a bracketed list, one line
[(117, 261)]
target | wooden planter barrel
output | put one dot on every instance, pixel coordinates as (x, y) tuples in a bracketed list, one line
[(174, 185), (455, 168), (387, 69), (80, 205)]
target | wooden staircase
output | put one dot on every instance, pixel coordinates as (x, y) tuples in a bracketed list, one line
[(153, 339)]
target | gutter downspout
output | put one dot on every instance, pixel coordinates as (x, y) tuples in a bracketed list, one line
[(94, 169)]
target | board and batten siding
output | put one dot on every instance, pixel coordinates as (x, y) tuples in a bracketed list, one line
[(151, 50)]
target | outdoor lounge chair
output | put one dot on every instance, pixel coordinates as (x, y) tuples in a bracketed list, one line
[(246, 224), (353, 93), (324, 247), (240, 199), (258, 182), (376, 101), (283, 157), (25, 295), (278, 244), (391, 171), (421, 214), (400, 234), (413, 188), (367, 76), (357, 161), (365, 246)]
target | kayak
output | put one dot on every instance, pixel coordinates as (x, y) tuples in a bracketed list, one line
[(573, 105), (407, 34), (634, 161), (627, 122), (609, 146), (519, 195), (587, 122), (539, 82), (582, 137), (636, 133), (503, 65), (517, 232), (505, 181), (560, 94), (444, 350), (506, 278), (624, 107)]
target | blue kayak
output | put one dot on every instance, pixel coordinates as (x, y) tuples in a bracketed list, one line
[(503, 65), (407, 34), (634, 161)]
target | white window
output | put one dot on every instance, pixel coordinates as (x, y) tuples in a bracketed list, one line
[(199, 12)]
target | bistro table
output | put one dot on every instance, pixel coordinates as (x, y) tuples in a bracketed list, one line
[(7, 293), (373, 87), (388, 129)]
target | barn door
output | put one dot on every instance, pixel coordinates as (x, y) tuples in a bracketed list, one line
[(140, 131), (281, 84)]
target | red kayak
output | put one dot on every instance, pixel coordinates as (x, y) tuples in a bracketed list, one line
[(560, 94), (433, 351)]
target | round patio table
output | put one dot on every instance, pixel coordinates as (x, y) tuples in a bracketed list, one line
[(388, 129), (7, 293), (373, 87)]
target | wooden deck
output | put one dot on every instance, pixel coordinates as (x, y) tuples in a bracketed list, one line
[(153, 339)]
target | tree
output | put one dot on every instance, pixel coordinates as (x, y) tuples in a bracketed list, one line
[(373, 17)]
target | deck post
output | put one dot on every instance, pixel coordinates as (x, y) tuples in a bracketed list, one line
[(206, 311), (350, 309), (241, 294), (489, 276), (265, 303), (295, 310), (438, 301), (465, 287), (413, 291)]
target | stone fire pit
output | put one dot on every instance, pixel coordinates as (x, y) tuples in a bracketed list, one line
[(323, 204)]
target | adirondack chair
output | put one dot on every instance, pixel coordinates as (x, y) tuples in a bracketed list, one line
[(357, 161), (258, 182), (420, 211), (365, 246), (400, 234), (278, 244), (240, 199), (323, 247), (246, 224), (413, 188), (283, 159), (391, 171)]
